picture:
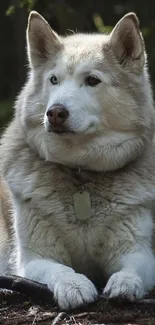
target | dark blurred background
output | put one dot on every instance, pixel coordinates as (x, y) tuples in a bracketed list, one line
[(64, 16)]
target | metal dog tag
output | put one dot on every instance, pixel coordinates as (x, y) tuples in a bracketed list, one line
[(82, 205)]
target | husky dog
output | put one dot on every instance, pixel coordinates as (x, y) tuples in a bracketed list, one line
[(78, 159)]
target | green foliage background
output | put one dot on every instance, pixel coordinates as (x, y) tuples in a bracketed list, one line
[(64, 16)]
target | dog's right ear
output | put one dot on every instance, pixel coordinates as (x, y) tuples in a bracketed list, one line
[(42, 41)]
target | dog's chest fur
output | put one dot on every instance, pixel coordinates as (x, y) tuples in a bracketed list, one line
[(45, 218)]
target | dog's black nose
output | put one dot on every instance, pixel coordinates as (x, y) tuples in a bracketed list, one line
[(57, 114)]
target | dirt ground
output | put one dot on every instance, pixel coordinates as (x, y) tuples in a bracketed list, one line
[(16, 309)]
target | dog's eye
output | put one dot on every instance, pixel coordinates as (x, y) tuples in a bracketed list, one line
[(54, 80), (92, 81)]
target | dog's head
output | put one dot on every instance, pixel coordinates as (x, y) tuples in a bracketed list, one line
[(88, 101)]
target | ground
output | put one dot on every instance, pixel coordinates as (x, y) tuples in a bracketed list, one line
[(17, 309)]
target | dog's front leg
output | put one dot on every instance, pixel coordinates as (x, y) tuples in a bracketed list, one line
[(136, 277), (70, 289)]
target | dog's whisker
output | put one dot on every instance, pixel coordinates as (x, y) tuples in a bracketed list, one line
[(37, 115)]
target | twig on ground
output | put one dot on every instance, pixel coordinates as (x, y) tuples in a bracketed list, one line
[(61, 316), (79, 315), (4, 309), (32, 289), (150, 301), (34, 319)]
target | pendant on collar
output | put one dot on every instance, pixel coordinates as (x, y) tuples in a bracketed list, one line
[(82, 201), (82, 205)]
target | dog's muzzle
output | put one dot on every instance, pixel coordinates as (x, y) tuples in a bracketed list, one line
[(57, 116)]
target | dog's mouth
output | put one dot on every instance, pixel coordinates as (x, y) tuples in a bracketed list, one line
[(60, 130)]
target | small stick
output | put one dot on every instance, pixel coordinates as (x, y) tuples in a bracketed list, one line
[(149, 301), (30, 288), (61, 316)]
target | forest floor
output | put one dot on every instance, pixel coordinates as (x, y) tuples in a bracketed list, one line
[(17, 309)]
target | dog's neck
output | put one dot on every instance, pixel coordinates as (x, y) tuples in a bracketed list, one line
[(79, 176), (80, 179)]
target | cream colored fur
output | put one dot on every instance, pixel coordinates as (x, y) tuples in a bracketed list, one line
[(112, 127)]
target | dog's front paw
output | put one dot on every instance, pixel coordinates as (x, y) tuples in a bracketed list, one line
[(74, 290), (124, 285)]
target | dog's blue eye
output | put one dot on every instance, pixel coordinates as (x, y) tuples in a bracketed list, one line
[(92, 81), (54, 80)]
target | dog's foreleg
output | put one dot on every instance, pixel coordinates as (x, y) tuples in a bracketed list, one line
[(136, 277), (70, 289)]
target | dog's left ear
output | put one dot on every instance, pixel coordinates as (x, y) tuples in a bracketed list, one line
[(127, 43), (42, 41)]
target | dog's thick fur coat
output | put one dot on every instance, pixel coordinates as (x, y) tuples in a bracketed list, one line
[(109, 135)]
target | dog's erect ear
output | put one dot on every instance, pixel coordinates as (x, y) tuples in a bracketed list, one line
[(127, 43), (42, 41)]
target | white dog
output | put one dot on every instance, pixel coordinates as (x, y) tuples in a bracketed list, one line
[(79, 161)]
